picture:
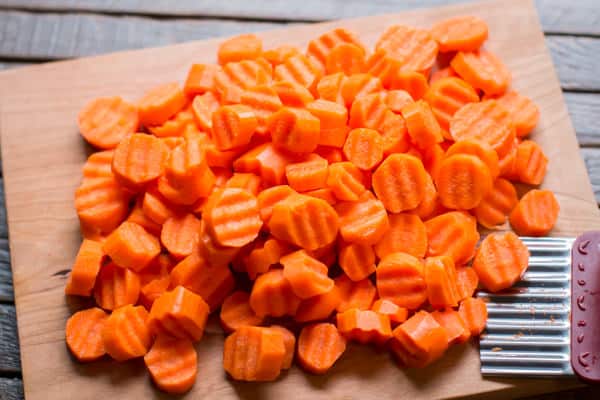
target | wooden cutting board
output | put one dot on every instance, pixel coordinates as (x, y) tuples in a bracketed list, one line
[(42, 155)]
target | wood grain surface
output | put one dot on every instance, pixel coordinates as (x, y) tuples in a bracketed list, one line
[(42, 157)]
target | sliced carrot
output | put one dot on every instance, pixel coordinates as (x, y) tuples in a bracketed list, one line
[(330, 88), (289, 342), (501, 260), (524, 112), (246, 181), (414, 48), (364, 148), (369, 111), (482, 70), (200, 79), (421, 124), (138, 217), (397, 99), (264, 101), (271, 196), (446, 96), (331, 154), (463, 181), (401, 279), (474, 313), (466, 282), (161, 103), (357, 260), (203, 107), (323, 194), (360, 295), (241, 47), (464, 33), (126, 334), (157, 208), (101, 203), (445, 72), (320, 48), (305, 221), (180, 234), (363, 221), (235, 77), (333, 118), (98, 165), (172, 363), (309, 174), (497, 204), (138, 160), (105, 121), (456, 328), (279, 54), (174, 126), (453, 234), (359, 85), (479, 149), (116, 287), (236, 312), (292, 94), (88, 261), (535, 214), (364, 326), (152, 290), (347, 58), (266, 161), (306, 275), (300, 70), (254, 353), (430, 205), (319, 307), (507, 163), (413, 82), (530, 163), (406, 234), (395, 313), (272, 295), (233, 126), (394, 133), (399, 182), (294, 130), (130, 246), (382, 65), (440, 277), (84, 334), (319, 347)]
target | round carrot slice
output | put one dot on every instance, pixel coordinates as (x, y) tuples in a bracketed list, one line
[(238, 48), (530, 163), (84, 334), (414, 48), (401, 279), (464, 33), (181, 234), (320, 48), (453, 234), (272, 295), (307, 276), (364, 221), (138, 160), (347, 58), (294, 130), (101, 204), (463, 181), (116, 287), (524, 111), (473, 312), (357, 260), (482, 70), (479, 149), (126, 334), (233, 126), (421, 124), (413, 82), (105, 121), (446, 96), (497, 204), (346, 181), (364, 148), (172, 363), (407, 234), (364, 326), (399, 182), (319, 347), (536, 213), (236, 312), (161, 103)]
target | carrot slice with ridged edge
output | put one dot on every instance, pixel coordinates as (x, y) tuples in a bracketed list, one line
[(138, 160), (254, 353), (466, 282), (474, 313), (430, 206), (319, 307), (394, 312), (493, 210), (105, 121), (464, 33), (323, 194), (482, 70), (535, 214), (172, 363), (414, 48), (525, 113), (200, 79), (271, 196), (305, 221), (394, 133), (401, 279), (346, 181), (272, 295), (463, 181), (203, 107), (306, 275), (453, 234), (126, 334), (181, 234), (309, 174), (264, 101), (359, 85), (359, 294), (292, 94), (479, 149), (347, 58), (330, 88), (279, 54), (446, 96), (138, 217), (266, 161), (363, 221), (501, 260), (157, 208), (333, 118), (294, 130), (421, 124), (369, 111), (382, 65), (174, 126), (236, 312), (456, 329), (86, 267), (98, 165), (330, 153), (440, 277), (246, 181), (300, 70), (406, 234), (364, 326), (235, 77), (399, 182), (364, 148), (357, 260), (413, 82), (396, 99), (83, 334), (130, 246), (320, 345), (445, 72), (530, 163), (289, 342), (320, 48), (101, 203), (241, 47), (116, 287), (161, 103), (233, 126)]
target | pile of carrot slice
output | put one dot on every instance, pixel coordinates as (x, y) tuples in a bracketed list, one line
[(309, 198)]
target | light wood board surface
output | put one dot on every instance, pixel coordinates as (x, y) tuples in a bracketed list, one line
[(42, 154)]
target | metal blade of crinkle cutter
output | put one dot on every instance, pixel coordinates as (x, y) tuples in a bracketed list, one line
[(528, 327)]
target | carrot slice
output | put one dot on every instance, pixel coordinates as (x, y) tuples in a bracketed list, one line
[(181, 234), (359, 85), (241, 47), (319, 307), (497, 204), (364, 326), (474, 313), (414, 48), (157, 208), (236, 312), (332, 117), (84, 334), (306, 275), (395, 313), (233, 126), (116, 287), (101, 204), (126, 334), (463, 181), (235, 77), (440, 277), (130, 246), (401, 279), (446, 96), (482, 70), (535, 214), (161, 103), (445, 72), (153, 289), (466, 282), (530, 163), (320, 48), (105, 121), (525, 112), (98, 165), (294, 130), (363, 221), (266, 161), (397, 99), (200, 79), (246, 181), (456, 329), (421, 124), (323, 194), (357, 260), (138, 160), (300, 70), (394, 133), (453, 234), (88, 261), (331, 154), (319, 347), (347, 58), (330, 88), (464, 33), (430, 206), (264, 101), (203, 107), (501, 260), (307, 175), (279, 54), (289, 342), (254, 353), (369, 111), (399, 182), (479, 149), (413, 82), (406, 234), (292, 94), (175, 126), (137, 216), (364, 148), (173, 364), (271, 196), (272, 295), (360, 295)]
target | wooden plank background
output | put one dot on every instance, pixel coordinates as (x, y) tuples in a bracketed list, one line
[(34, 31)]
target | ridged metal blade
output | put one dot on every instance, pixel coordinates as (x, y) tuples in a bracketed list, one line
[(528, 327)]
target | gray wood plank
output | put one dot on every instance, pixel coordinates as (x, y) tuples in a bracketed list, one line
[(10, 361), (6, 285), (591, 156), (11, 389), (576, 60), (584, 109), (574, 17)]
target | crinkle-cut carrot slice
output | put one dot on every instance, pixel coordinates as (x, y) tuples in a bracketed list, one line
[(84, 334), (235, 77), (323, 194), (440, 277), (320, 345), (263, 256), (360, 295), (98, 165), (456, 328), (530, 163), (232, 217), (101, 203), (445, 72), (152, 290), (466, 282), (309, 174), (430, 206), (463, 181), (131, 246), (346, 181), (320, 48), (161, 103), (401, 279), (482, 70), (406, 234), (279, 54), (357, 260), (396, 99), (330, 88), (272, 295), (413, 82), (292, 94), (414, 48), (233, 126), (157, 208), (535, 214), (246, 181), (137, 216), (463, 33), (271, 196), (238, 48), (501, 260), (105, 121), (180, 195), (254, 353), (479, 149), (300, 70), (394, 312), (187, 166), (200, 79), (363, 221), (497, 204), (217, 255), (369, 111), (289, 342), (180, 234), (364, 148), (364, 326), (126, 334), (419, 341), (319, 307), (453, 234), (116, 287), (474, 313), (399, 182), (294, 130), (173, 364), (203, 107), (347, 58), (394, 134), (304, 221), (179, 313), (264, 101), (333, 118), (359, 85), (88, 261), (330, 153), (525, 113), (421, 124), (306, 275), (446, 96), (507, 162), (236, 312), (382, 65), (138, 160)]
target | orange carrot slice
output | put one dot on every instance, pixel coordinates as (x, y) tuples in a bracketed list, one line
[(414, 48), (406, 234), (307, 175), (530, 163), (105, 121), (364, 326), (272, 295), (478, 149), (347, 58), (294, 130), (203, 106), (292, 94), (440, 277), (138, 217), (466, 282), (173, 364), (497, 204), (264, 101), (357, 260), (333, 118), (157, 208), (464, 33), (474, 313), (319, 347), (289, 342), (413, 82), (463, 181), (84, 334), (360, 295), (421, 124), (241, 47), (271, 196), (364, 148), (116, 287), (126, 334), (346, 181), (330, 88), (359, 85), (266, 161), (430, 206), (482, 70), (88, 261), (181, 234), (395, 313), (236, 312), (300, 70), (363, 221), (279, 54), (456, 329), (401, 279), (161, 103), (98, 165), (524, 112), (130, 246), (233, 126), (319, 307), (306, 275), (235, 77), (446, 96), (397, 99), (369, 111), (138, 160), (101, 204), (399, 182), (453, 234), (535, 214), (246, 181), (200, 79), (320, 48)]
